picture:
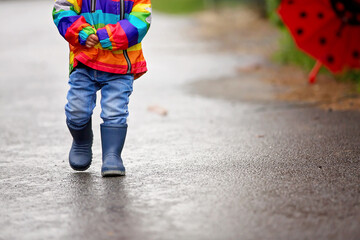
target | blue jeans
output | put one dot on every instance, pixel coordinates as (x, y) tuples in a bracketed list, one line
[(115, 92)]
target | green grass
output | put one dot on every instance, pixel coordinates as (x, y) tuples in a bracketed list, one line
[(190, 6), (178, 6)]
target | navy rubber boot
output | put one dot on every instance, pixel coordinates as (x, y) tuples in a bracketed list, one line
[(112, 142), (80, 155)]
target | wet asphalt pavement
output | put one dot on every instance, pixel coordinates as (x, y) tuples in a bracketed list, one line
[(211, 169)]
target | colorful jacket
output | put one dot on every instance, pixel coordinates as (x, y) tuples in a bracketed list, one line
[(120, 26)]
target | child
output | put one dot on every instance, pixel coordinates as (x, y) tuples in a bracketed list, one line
[(105, 54)]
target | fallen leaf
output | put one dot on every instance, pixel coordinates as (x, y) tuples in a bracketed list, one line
[(158, 110)]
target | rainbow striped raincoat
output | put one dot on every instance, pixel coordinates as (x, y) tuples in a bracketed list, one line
[(120, 26)]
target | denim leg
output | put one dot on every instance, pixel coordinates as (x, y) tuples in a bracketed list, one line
[(115, 93), (81, 97)]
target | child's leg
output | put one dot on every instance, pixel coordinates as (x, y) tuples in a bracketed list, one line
[(81, 97), (114, 102), (81, 102), (115, 93)]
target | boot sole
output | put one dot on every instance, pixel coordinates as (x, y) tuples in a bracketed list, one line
[(113, 173), (80, 169)]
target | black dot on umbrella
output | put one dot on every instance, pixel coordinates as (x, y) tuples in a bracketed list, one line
[(303, 14), (330, 59), (356, 54), (299, 31), (290, 2), (322, 41), (320, 15)]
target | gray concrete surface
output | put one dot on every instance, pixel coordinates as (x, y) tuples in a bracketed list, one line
[(211, 169)]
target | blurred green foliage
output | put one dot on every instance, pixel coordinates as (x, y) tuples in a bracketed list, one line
[(178, 6), (189, 6), (271, 7), (288, 53)]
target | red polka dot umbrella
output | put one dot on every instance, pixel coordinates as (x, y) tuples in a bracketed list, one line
[(328, 30)]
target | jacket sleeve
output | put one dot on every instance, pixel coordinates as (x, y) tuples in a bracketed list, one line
[(71, 25), (129, 31)]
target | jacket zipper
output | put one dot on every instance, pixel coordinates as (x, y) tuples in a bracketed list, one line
[(93, 6), (122, 16), (92, 10)]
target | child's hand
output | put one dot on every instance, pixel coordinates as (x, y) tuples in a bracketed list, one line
[(92, 40)]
